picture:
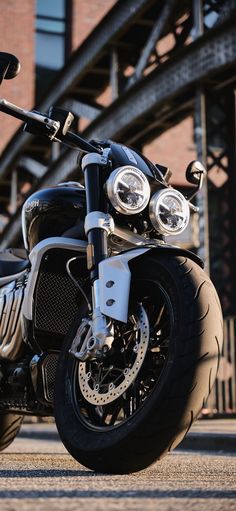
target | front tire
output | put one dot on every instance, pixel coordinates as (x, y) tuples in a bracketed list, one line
[(158, 406)]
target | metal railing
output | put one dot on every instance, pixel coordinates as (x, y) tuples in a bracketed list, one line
[(222, 399)]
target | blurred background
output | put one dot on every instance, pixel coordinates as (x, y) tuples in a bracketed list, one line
[(159, 76)]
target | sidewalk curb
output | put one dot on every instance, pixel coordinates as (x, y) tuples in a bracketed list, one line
[(209, 442), (40, 435)]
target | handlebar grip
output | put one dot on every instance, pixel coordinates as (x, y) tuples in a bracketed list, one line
[(44, 125), (6, 107)]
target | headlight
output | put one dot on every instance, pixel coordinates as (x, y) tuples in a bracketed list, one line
[(128, 190), (169, 211)]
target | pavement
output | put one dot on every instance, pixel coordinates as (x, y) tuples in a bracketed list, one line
[(217, 435)]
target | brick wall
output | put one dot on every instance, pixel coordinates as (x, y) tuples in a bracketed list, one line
[(174, 149), (17, 37)]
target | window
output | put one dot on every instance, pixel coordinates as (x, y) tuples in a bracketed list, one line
[(52, 42)]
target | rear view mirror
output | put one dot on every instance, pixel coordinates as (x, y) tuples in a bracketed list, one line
[(9, 66), (195, 173)]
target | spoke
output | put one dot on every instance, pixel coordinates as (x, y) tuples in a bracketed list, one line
[(158, 320), (106, 373), (115, 413), (119, 376)]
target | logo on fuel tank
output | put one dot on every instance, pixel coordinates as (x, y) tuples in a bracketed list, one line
[(31, 205)]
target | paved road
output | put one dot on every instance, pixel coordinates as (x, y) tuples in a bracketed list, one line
[(40, 475)]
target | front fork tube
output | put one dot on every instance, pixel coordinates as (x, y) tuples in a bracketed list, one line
[(97, 237), (96, 252)]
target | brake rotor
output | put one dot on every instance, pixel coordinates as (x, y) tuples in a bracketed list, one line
[(100, 386)]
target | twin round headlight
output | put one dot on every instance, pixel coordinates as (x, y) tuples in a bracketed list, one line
[(129, 192), (169, 211)]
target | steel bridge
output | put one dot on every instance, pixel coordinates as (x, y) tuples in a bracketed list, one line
[(155, 63)]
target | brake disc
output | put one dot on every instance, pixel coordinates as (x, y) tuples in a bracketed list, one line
[(101, 385)]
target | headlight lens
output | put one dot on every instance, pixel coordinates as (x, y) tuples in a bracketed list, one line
[(128, 190), (169, 212)]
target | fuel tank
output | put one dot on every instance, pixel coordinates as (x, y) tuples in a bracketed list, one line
[(55, 211)]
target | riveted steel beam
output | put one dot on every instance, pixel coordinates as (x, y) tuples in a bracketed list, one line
[(196, 63), (155, 34), (33, 166), (82, 109)]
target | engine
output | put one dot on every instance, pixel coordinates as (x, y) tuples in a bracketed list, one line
[(11, 338)]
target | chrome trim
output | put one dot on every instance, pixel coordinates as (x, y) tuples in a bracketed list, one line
[(99, 220), (11, 339), (95, 294), (157, 201), (94, 158), (113, 191), (23, 228), (35, 258), (135, 239), (10, 278)]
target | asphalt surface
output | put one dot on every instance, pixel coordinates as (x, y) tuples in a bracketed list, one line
[(36, 473), (205, 435)]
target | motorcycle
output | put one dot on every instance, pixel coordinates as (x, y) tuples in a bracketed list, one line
[(103, 324)]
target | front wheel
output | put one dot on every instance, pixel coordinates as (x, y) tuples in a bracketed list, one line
[(120, 413)]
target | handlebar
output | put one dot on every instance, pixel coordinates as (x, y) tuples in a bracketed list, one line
[(24, 115), (44, 125)]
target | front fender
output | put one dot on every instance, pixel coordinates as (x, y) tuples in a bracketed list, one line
[(115, 278)]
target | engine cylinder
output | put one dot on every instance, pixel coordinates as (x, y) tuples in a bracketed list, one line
[(11, 338)]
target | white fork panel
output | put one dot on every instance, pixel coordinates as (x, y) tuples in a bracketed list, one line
[(114, 284)]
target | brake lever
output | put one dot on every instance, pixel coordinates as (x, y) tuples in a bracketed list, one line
[(54, 129), (35, 122)]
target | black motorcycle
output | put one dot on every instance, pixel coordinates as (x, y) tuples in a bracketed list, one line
[(103, 324)]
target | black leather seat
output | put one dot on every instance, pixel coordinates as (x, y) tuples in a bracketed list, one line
[(13, 261)]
